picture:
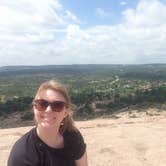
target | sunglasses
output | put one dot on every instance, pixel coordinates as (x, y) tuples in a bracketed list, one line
[(41, 105)]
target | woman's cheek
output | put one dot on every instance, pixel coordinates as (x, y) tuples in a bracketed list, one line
[(37, 114)]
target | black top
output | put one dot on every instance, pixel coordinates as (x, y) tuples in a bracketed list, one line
[(30, 150)]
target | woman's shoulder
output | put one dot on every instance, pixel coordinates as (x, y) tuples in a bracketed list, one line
[(23, 147), (72, 133), (73, 136), (74, 142), (24, 141)]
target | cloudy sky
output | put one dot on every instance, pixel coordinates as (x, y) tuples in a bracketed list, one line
[(42, 32)]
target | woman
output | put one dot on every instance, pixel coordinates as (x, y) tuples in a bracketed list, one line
[(55, 141)]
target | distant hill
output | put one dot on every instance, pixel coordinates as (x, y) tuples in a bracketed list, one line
[(144, 71)]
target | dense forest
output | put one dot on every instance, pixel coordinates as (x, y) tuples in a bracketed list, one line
[(95, 90)]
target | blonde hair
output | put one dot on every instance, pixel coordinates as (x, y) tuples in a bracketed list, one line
[(68, 123)]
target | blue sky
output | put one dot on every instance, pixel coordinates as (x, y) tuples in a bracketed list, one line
[(43, 32), (98, 12)]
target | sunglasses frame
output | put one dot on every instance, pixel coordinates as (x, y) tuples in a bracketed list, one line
[(54, 105)]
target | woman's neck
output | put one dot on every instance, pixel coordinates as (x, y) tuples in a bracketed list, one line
[(51, 137)]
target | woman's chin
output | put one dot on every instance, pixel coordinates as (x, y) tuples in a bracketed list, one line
[(47, 123)]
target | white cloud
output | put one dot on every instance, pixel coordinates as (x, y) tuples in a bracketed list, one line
[(69, 15), (102, 13), (46, 33), (147, 13), (138, 39), (30, 30), (26, 21), (123, 3)]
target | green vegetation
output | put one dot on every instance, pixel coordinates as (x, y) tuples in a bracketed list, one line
[(94, 89)]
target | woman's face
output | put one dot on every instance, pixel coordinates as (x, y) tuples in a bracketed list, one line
[(47, 117)]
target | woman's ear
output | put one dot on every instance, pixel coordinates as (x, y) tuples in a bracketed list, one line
[(66, 113)]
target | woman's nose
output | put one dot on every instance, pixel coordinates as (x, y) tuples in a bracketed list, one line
[(48, 108)]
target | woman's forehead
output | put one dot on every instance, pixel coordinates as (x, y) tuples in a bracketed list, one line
[(52, 94)]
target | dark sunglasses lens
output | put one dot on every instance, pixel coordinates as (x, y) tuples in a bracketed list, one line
[(41, 104), (57, 106)]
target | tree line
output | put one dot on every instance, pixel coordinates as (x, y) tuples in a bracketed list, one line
[(84, 99)]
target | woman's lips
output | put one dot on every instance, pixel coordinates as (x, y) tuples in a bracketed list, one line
[(47, 118)]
